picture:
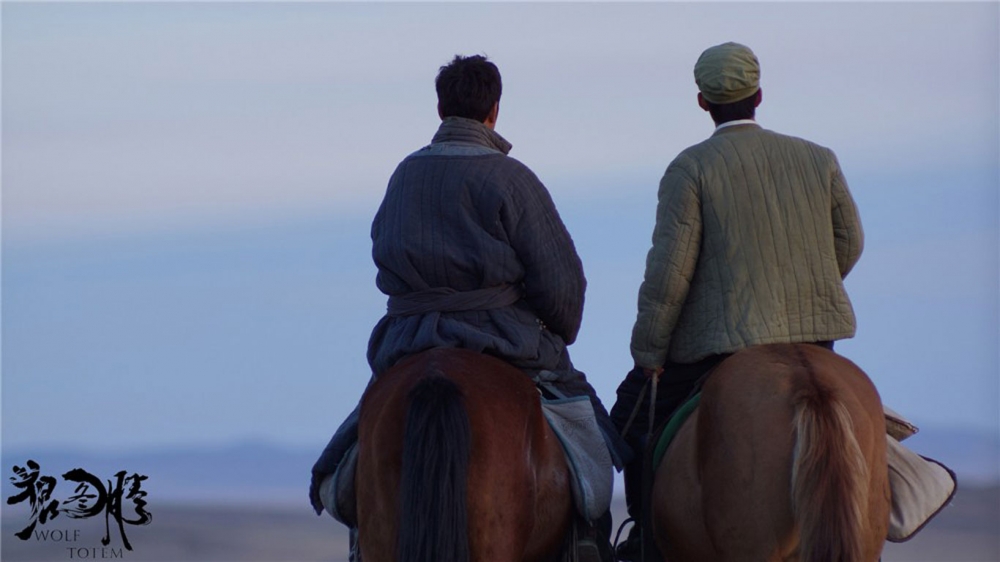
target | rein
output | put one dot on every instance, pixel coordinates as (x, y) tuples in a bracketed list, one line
[(652, 408), (635, 409), (655, 380)]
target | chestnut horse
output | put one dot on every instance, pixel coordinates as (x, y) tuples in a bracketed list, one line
[(784, 459), (457, 462)]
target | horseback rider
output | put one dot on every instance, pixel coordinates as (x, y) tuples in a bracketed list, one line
[(755, 232), (473, 254)]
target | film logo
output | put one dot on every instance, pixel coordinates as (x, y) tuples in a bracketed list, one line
[(121, 501)]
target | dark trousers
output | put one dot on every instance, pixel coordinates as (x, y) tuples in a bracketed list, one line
[(675, 386)]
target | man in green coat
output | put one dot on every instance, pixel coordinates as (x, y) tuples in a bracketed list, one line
[(755, 232)]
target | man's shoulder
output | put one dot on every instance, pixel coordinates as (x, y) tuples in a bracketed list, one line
[(447, 151), (792, 139), (752, 139), (455, 150), (491, 167), (742, 143)]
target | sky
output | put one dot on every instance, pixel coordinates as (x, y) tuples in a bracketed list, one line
[(187, 191)]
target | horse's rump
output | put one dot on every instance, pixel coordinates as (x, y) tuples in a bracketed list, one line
[(784, 460), (509, 492)]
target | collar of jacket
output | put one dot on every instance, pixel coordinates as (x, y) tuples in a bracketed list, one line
[(736, 128), (470, 131)]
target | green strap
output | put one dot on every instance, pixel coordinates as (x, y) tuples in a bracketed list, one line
[(673, 426)]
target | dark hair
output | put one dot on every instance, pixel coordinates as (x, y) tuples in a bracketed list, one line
[(468, 87), (725, 112)]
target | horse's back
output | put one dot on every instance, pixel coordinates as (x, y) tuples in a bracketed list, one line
[(517, 478), (731, 466)]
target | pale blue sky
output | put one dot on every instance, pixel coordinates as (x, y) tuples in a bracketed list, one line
[(187, 190)]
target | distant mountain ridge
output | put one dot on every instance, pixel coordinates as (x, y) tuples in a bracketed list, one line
[(265, 473)]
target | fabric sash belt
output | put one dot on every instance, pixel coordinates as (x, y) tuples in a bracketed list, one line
[(444, 299)]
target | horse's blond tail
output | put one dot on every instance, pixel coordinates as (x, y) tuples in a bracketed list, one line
[(829, 475)]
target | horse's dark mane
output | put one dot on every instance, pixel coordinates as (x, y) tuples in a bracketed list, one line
[(436, 447)]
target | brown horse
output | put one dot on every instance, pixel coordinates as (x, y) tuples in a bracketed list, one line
[(457, 463), (783, 460)]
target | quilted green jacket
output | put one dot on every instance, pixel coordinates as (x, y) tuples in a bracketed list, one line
[(754, 234)]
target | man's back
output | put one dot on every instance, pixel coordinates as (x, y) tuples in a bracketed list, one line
[(460, 215), (777, 231), (439, 224)]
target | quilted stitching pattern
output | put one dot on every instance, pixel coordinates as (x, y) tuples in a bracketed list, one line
[(462, 214), (754, 234)]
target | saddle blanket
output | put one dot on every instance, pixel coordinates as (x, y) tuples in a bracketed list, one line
[(337, 490), (574, 423), (921, 488)]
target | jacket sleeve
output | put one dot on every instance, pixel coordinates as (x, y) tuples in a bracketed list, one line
[(848, 236), (554, 284), (670, 266)]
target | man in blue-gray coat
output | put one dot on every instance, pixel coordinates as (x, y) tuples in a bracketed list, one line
[(474, 234), (473, 254)]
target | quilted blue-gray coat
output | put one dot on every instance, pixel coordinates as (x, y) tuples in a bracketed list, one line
[(472, 254), (460, 215)]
